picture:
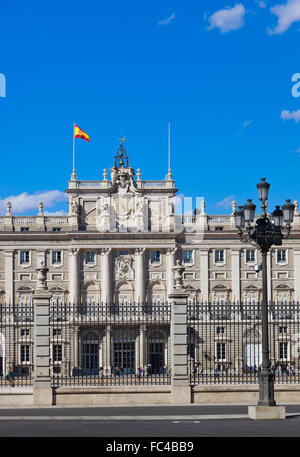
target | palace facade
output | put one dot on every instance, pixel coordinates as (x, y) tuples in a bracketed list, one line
[(119, 243), (121, 239)]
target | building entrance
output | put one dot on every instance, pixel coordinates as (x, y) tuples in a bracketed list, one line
[(90, 358), (156, 357), (124, 357)]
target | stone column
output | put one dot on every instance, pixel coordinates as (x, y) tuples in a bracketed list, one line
[(204, 269), (74, 276), (236, 273), (108, 347), (139, 276), (297, 273), (76, 337), (142, 345), (269, 273), (9, 276), (106, 283), (180, 388), (170, 264), (42, 391)]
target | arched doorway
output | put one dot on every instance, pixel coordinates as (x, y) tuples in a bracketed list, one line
[(124, 293), (91, 293)]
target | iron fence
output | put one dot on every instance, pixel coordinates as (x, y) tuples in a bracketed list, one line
[(16, 345), (224, 342), (130, 344), (107, 345)]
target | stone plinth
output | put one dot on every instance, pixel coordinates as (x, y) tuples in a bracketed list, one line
[(266, 412)]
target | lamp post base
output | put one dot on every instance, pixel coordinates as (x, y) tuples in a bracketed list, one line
[(266, 412), (266, 389)]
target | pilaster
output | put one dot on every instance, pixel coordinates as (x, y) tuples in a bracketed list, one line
[(74, 275), (204, 269), (236, 274), (106, 283), (9, 276), (139, 276)]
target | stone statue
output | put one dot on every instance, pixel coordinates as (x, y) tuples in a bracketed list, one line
[(73, 206)]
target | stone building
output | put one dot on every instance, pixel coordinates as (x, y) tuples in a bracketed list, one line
[(119, 243)]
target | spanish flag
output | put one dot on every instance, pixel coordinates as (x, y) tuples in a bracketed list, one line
[(78, 133)]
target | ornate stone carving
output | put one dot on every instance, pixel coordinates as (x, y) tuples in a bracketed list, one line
[(8, 206), (178, 275), (124, 268), (73, 206), (41, 277)]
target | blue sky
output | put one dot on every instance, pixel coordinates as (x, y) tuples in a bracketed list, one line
[(219, 71)]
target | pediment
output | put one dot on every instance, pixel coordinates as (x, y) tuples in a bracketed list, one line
[(57, 289), (220, 287), (25, 289), (283, 287), (252, 287)]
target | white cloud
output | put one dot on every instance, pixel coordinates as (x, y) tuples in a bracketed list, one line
[(25, 202), (244, 126), (290, 115), (168, 20), (287, 13), (261, 4), (228, 19), (226, 203)]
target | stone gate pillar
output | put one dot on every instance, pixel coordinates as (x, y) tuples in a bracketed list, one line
[(42, 391), (180, 387)]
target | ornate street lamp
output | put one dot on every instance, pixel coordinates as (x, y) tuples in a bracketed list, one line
[(264, 233)]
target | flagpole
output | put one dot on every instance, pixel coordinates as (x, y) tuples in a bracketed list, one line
[(74, 147), (169, 153), (74, 176), (169, 147)]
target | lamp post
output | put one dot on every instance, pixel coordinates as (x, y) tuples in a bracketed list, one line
[(264, 233)]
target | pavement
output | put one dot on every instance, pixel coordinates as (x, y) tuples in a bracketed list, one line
[(144, 421)]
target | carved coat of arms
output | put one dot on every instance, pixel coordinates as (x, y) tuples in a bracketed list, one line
[(124, 268)]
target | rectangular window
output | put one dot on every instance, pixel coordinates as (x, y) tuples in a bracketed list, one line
[(90, 257), (123, 252), (56, 229), (281, 255), (219, 256), (283, 350), (220, 330), (155, 256), (25, 353), (57, 353), (219, 229), (250, 255), (25, 331), (187, 256), (282, 330), (24, 257), (57, 332), (24, 229), (56, 257), (221, 351)]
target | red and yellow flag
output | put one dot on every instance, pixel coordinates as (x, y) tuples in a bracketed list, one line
[(78, 133)]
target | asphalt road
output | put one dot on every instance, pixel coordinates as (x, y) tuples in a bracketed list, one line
[(149, 421)]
